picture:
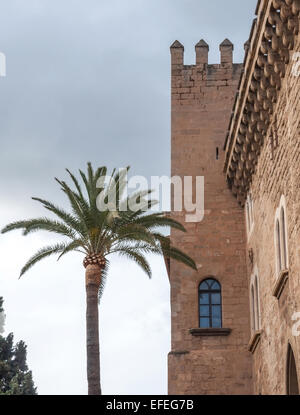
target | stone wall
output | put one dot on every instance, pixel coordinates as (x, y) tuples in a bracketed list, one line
[(278, 175), (202, 101)]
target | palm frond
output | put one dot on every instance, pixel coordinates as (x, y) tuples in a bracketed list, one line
[(76, 183), (21, 224), (104, 274), (158, 220), (85, 181), (69, 219), (135, 200), (45, 224), (139, 259), (79, 206), (73, 246), (100, 172), (180, 256), (139, 247), (41, 254), (119, 185), (132, 232)]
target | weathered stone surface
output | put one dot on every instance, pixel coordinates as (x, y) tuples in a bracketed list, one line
[(262, 156), (202, 99), (277, 174)]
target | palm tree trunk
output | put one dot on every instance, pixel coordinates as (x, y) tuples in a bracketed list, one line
[(92, 282)]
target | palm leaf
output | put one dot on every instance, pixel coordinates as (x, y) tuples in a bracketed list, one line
[(104, 274), (139, 259), (45, 224), (158, 220), (41, 254), (69, 219), (73, 246)]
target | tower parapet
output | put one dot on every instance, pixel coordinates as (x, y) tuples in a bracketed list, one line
[(189, 82), (177, 51), (202, 49), (226, 49)]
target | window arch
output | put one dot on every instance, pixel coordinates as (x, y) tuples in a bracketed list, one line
[(248, 216), (210, 304), (281, 244), (283, 235), (249, 213), (257, 310), (253, 308), (254, 302), (278, 246), (292, 378)]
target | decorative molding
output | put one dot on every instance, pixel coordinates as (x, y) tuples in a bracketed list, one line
[(255, 339), (280, 283), (272, 38), (210, 332)]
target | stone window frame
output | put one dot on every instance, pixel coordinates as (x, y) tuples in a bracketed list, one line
[(255, 309), (281, 238), (210, 332), (249, 212), (219, 291)]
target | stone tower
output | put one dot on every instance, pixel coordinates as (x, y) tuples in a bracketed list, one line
[(205, 359)]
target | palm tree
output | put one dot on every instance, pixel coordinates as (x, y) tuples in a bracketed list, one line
[(98, 228)]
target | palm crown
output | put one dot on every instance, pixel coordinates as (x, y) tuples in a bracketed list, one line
[(128, 229)]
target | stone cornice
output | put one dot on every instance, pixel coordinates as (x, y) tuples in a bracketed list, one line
[(267, 55)]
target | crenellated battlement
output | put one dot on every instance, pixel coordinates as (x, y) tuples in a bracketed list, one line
[(202, 49), (201, 83)]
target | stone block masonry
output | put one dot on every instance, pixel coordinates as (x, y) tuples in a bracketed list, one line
[(202, 101), (278, 175)]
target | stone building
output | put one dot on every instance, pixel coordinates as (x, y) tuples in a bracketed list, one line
[(235, 327)]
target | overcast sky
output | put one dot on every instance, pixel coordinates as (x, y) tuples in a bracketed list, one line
[(90, 81)]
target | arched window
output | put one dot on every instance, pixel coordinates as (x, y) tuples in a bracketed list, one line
[(292, 378), (281, 241), (249, 213), (210, 304), (253, 308), (251, 209), (278, 246), (254, 303), (257, 311), (248, 216), (284, 247)]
